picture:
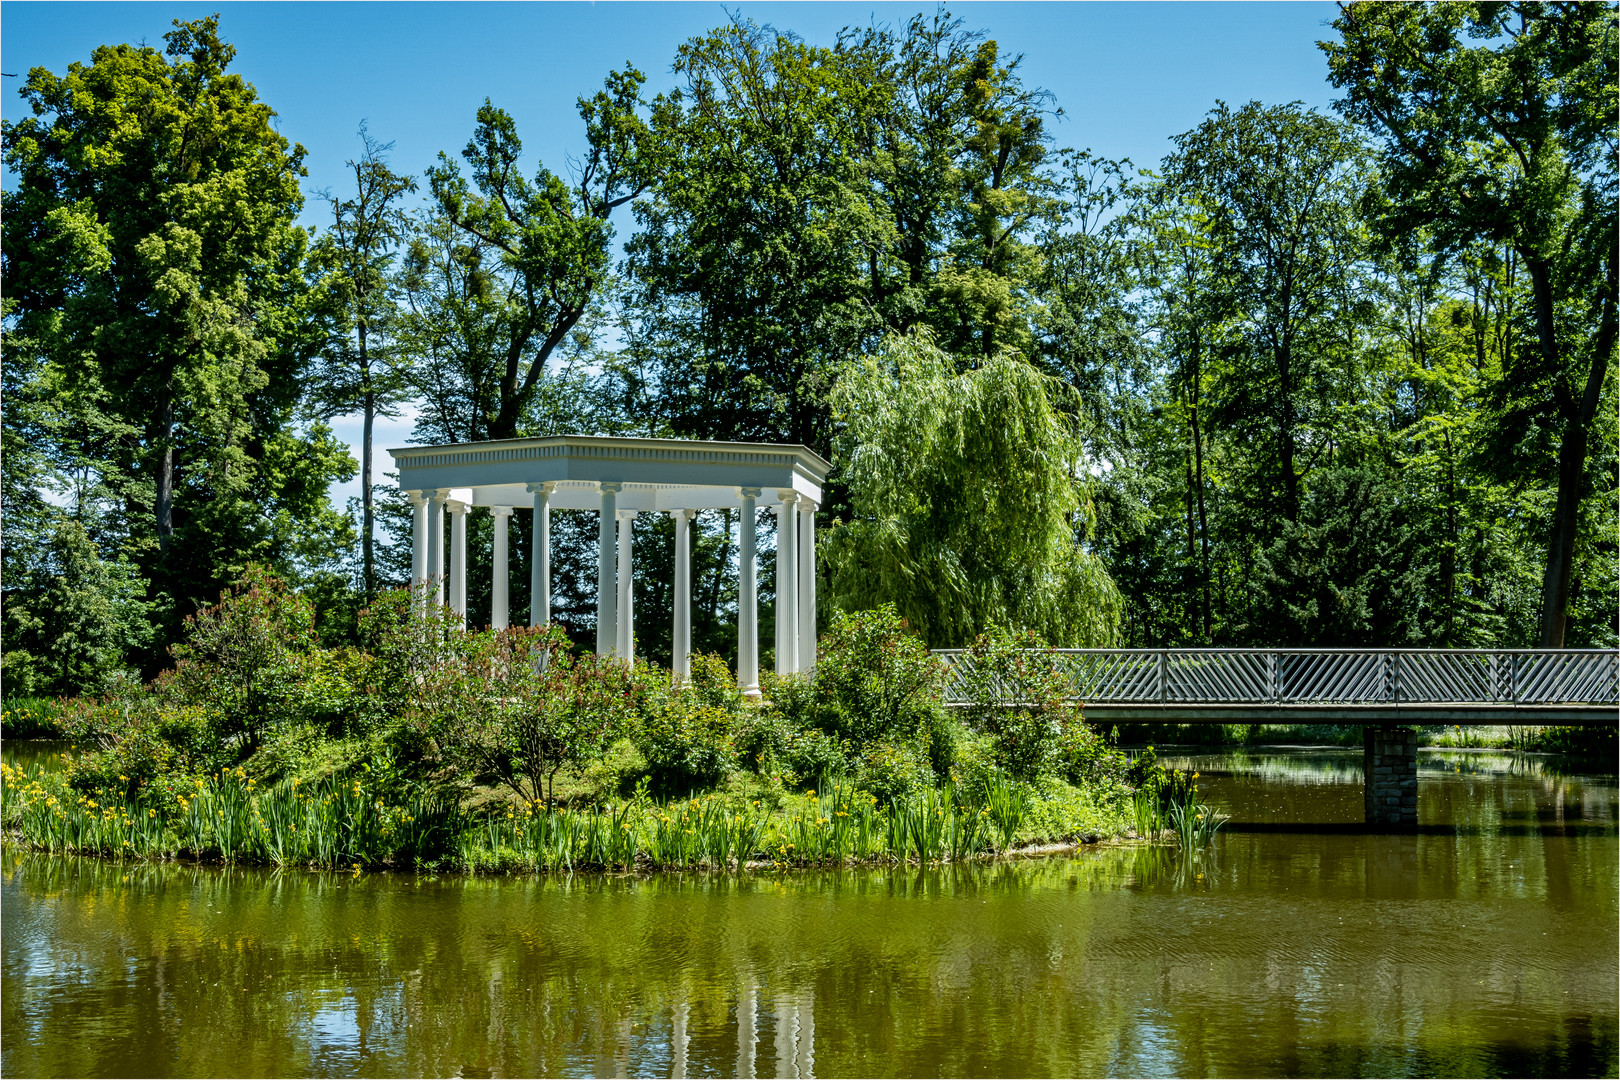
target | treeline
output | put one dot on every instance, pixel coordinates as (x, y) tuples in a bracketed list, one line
[(1312, 379)]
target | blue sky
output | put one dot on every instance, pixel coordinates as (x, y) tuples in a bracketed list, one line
[(1127, 76)]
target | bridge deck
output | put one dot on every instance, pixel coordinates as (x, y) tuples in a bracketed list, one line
[(1324, 686)]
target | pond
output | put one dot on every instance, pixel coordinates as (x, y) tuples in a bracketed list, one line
[(1483, 945)]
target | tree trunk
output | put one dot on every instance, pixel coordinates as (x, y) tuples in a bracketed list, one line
[(368, 511), (164, 503), (1577, 416), (1198, 490)]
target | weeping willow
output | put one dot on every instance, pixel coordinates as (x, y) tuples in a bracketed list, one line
[(967, 497)]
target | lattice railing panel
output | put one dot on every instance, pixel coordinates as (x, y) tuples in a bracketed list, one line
[(1553, 677), (1233, 676), (1113, 676), (1331, 677), (1327, 676), (1441, 677)]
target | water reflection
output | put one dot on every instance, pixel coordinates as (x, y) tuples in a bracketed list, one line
[(1489, 952)]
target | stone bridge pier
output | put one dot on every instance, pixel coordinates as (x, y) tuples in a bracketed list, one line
[(1389, 756)]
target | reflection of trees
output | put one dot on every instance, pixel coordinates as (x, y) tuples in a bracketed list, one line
[(1127, 960)]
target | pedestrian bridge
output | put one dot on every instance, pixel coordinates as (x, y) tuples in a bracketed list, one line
[(1387, 691), (1378, 687)]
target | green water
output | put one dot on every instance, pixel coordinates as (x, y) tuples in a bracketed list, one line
[(1483, 945)]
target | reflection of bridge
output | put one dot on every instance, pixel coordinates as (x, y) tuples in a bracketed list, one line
[(1385, 690)]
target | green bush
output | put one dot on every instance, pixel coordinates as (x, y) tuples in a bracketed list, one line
[(688, 743), (1084, 757), (1017, 692), (519, 706), (894, 771), (615, 773), (875, 681)]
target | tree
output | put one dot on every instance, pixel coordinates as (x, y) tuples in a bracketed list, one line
[(551, 239), (1276, 187), (968, 509), (359, 370), (1510, 139), (153, 272), (73, 619)]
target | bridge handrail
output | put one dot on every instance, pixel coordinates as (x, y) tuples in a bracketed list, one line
[(1339, 676)]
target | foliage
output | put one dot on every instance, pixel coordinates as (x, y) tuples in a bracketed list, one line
[(1018, 694), (688, 743), (549, 242), (875, 678), (359, 371), (965, 508), (369, 820), (1498, 125), (31, 718), (154, 314), (73, 620), (520, 706)]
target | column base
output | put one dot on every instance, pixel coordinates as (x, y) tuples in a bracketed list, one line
[(1389, 759)]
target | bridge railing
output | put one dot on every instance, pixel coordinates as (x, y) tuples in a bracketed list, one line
[(1499, 677)]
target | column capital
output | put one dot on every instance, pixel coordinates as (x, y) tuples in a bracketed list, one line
[(787, 497), (750, 492), (456, 506), (418, 496), (689, 515), (439, 495), (628, 515), (545, 487), (614, 486), (500, 511), (807, 505)]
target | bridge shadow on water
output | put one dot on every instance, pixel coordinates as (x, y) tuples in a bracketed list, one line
[(1358, 828)]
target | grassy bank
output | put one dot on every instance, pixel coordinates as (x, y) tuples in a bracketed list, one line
[(348, 823)]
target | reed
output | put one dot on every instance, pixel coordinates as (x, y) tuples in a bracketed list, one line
[(1007, 804), (335, 822), (231, 818)]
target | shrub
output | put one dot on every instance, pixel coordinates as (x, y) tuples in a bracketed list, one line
[(876, 681), (614, 774), (896, 770), (1084, 757), (519, 705), (1017, 694), (687, 742), (244, 657)]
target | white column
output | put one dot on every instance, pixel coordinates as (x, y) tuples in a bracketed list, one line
[(783, 569), (435, 566), (499, 568), (747, 599), (787, 583), (681, 640), (419, 547), (807, 584), (607, 607), (627, 589), (458, 559), (540, 564)]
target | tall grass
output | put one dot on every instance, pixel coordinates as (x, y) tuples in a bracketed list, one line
[(1006, 803), (229, 817), (31, 718), (1172, 804), (342, 823)]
